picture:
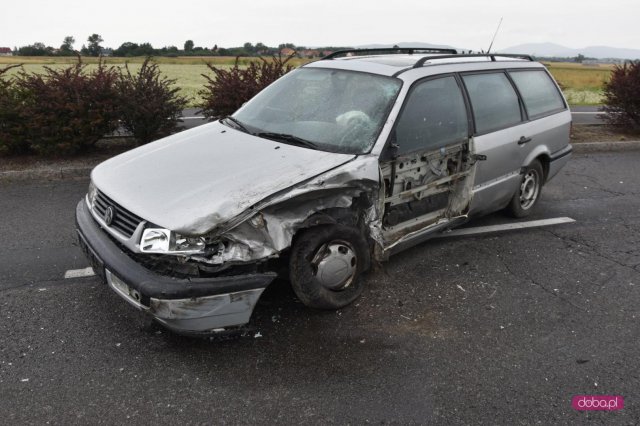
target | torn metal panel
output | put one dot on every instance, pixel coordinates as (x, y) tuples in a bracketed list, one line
[(462, 190), (270, 230), (426, 191)]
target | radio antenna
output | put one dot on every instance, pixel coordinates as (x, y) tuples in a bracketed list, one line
[(494, 36)]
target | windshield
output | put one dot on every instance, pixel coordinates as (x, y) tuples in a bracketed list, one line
[(326, 109)]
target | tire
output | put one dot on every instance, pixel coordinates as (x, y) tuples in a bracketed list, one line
[(326, 266), (528, 192)]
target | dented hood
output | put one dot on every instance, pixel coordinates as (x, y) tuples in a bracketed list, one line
[(195, 180)]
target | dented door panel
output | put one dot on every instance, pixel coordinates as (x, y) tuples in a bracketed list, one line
[(426, 189)]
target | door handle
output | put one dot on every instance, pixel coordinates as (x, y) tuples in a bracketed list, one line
[(523, 140)]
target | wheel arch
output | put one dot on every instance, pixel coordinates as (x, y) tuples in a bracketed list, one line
[(545, 161), (543, 155), (352, 217)]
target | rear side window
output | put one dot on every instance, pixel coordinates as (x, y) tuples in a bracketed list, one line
[(494, 101), (538, 92), (434, 116)]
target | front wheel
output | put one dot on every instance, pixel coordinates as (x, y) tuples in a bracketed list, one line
[(528, 192), (326, 265)]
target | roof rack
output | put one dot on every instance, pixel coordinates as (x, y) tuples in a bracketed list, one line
[(391, 50), (421, 61)]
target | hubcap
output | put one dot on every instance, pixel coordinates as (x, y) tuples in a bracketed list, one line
[(335, 265), (529, 189)]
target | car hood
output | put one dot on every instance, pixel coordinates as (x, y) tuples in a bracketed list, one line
[(195, 180)]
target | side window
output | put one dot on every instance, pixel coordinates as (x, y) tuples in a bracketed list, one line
[(538, 92), (434, 116), (494, 101)]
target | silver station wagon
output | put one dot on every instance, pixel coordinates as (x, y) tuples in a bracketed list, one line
[(339, 163)]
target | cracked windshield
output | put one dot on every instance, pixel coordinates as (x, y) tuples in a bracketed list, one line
[(335, 110)]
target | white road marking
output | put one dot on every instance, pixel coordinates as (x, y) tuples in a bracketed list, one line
[(505, 227), (589, 113), (193, 118), (79, 273)]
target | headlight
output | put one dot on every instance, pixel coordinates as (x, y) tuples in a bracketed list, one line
[(159, 240), (92, 193)]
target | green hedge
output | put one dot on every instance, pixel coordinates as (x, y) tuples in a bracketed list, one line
[(66, 111), (622, 97)]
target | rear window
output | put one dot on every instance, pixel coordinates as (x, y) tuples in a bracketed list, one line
[(494, 101), (538, 92)]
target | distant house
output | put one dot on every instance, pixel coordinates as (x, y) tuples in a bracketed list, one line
[(5, 51), (287, 51), (310, 53), (327, 52)]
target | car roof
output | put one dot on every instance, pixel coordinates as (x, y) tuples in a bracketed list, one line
[(398, 64)]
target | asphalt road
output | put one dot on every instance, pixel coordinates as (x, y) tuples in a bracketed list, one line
[(586, 115), (192, 118), (580, 115), (492, 329)]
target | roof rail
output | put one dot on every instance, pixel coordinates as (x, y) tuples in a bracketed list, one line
[(421, 61), (391, 50)]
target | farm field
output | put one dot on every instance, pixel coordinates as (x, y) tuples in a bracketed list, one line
[(187, 71), (582, 84)]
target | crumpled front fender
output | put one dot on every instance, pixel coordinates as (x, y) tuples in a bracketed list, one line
[(270, 230)]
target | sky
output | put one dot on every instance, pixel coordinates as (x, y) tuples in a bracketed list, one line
[(464, 24)]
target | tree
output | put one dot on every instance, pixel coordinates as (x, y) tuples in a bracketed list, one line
[(260, 48), (145, 49), (93, 47), (188, 45), (35, 49), (248, 47), (67, 45), (579, 58), (126, 49)]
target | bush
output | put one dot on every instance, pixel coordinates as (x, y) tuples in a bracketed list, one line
[(622, 96), (149, 107), (66, 111), (230, 88), (11, 141)]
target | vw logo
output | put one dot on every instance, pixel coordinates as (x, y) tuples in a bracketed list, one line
[(109, 215)]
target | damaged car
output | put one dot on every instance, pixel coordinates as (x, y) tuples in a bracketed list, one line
[(337, 165)]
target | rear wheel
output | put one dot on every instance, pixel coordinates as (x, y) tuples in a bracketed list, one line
[(528, 192), (326, 265)]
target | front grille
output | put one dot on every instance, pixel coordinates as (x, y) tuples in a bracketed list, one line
[(124, 221)]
